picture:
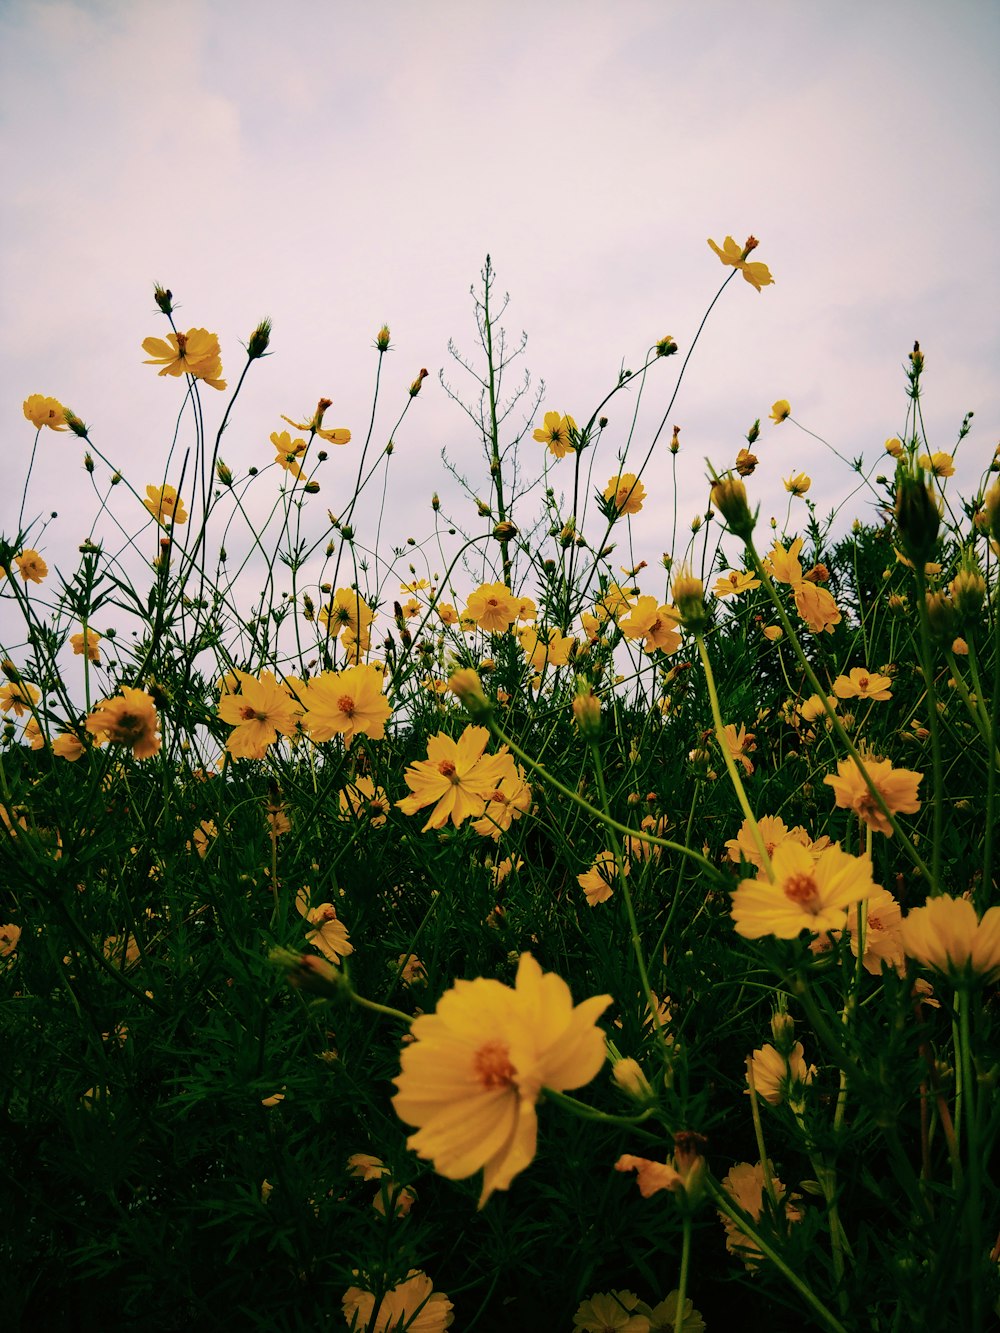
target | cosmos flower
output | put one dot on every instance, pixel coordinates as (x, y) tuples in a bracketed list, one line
[(745, 1186), (862, 684), (556, 433), (457, 778), (806, 893), (361, 799), (817, 608), (261, 711), (598, 880), (87, 641), (193, 353), (42, 411), (346, 703), (798, 483), (946, 935), (129, 718), (781, 411), (757, 275), (476, 1067), (779, 1078), (332, 435), (493, 607), (412, 1304), (735, 582), (897, 787), (31, 566), (625, 493), (165, 505)]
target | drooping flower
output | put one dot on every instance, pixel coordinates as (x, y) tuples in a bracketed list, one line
[(31, 566), (165, 505), (781, 411), (261, 711), (556, 433), (456, 777), (193, 353), (883, 933), (758, 275), (129, 718), (897, 787), (805, 894), (940, 464), (740, 745), (817, 608), (346, 703), (946, 935), (785, 566), (42, 411), (625, 493), (332, 435), (68, 746), (329, 935), (477, 1066), (412, 1304), (862, 684)]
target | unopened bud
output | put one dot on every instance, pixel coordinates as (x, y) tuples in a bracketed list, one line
[(587, 712), (223, 473), (917, 517), (468, 688), (415, 386), (627, 1074), (259, 340), (163, 297), (504, 532), (382, 338), (730, 498)]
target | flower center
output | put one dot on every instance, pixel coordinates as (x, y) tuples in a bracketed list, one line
[(346, 705), (492, 1067), (802, 889), (446, 768), (863, 683)]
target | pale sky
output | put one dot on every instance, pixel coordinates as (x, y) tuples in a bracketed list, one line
[(339, 165)]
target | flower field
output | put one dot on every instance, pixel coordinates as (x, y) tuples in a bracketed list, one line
[(496, 931)]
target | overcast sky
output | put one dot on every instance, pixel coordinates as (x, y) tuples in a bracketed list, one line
[(339, 165)]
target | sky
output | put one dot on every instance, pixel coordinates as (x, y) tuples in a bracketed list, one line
[(338, 166)]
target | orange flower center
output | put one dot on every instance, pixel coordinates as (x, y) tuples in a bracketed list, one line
[(446, 768), (802, 889), (862, 682), (346, 705), (492, 1067)]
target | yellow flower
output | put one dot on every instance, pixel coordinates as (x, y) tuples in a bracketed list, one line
[(773, 831), (757, 275), (509, 800), (290, 452), (476, 1067), (798, 483), (556, 434), (862, 684), (773, 632), (625, 493), (546, 649), (9, 937), (781, 411), (526, 609), (806, 893), (447, 613), (348, 611), (883, 933), (492, 606), (897, 787), (740, 745), (813, 708), (42, 411), (745, 1186), (87, 641), (412, 1304), (817, 608), (946, 935), (334, 435), (68, 746), (31, 566), (656, 625), (941, 464), (610, 1312), (663, 1317), (779, 1078), (598, 880), (735, 582), (784, 566), (361, 799), (19, 695), (193, 353), (130, 718), (201, 838), (894, 447), (456, 777), (165, 505), (330, 934), (346, 703), (262, 709)]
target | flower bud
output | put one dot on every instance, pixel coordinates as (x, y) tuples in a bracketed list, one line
[(382, 338), (753, 434), (415, 386), (968, 591), (504, 532), (917, 517), (587, 711), (311, 488), (675, 443), (223, 473), (730, 498), (259, 340), (689, 598), (88, 462), (468, 688), (666, 346), (627, 1074), (163, 297), (75, 424)]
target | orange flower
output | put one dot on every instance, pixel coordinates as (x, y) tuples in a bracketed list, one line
[(597, 881), (456, 777), (31, 566), (193, 353), (261, 710), (806, 893), (862, 684), (165, 505), (896, 786), (87, 642), (346, 703), (492, 606), (130, 718), (42, 411), (557, 434), (625, 493), (817, 608)]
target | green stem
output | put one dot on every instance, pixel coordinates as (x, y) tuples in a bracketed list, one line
[(682, 1280), (934, 723)]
